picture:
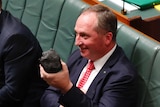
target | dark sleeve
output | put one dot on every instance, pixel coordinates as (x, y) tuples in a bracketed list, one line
[(75, 98), (119, 94), (50, 97), (20, 55)]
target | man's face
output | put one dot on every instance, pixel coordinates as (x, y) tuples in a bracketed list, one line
[(91, 44)]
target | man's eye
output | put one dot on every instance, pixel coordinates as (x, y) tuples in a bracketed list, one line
[(84, 36)]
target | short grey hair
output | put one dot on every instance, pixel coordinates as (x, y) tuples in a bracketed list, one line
[(107, 21)]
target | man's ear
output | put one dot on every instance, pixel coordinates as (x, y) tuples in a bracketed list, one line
[(108, 37)]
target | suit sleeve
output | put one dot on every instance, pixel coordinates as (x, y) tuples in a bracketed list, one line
[(19, 65), (118, 94), (50, 97), (75, 98), (117, 88)]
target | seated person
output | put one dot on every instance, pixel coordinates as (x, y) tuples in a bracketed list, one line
[(20, 82), (112, 82)]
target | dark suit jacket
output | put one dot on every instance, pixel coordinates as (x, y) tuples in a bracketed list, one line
[(114, 86), (20, 82)]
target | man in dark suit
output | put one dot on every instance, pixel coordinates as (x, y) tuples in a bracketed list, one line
[(20, 82), (112, 82)]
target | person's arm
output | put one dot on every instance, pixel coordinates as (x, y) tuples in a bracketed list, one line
[(115, 91), (19, 65), (50, 97), (62, 81)]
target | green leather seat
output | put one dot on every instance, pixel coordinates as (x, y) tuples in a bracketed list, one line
[(49, 23), (152, 98), (143, 58), (16, 7), (142, 51), (128, 43)]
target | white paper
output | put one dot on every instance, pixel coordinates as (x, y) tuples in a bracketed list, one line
[(127, 6)]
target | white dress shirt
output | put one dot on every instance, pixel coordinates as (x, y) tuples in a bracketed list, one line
[(98, 65)]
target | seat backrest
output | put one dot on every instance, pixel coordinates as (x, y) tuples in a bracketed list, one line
[(16, 7), (49, 23), (127, 40), (143, 58), (152, 98), (142, 51)]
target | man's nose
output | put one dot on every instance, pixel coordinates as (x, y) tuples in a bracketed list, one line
[(78, 41)]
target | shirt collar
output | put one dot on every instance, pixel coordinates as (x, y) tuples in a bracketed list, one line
[(100, 62)]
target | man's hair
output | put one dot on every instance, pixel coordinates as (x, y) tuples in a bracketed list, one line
[(107, 21)]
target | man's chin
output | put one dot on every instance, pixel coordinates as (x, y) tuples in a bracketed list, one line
[(83, 54)]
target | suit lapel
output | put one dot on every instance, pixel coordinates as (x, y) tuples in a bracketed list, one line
[(100, 76), (75, 76), (103, 73)]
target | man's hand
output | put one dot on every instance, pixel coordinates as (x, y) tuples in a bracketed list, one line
[(59, 80)]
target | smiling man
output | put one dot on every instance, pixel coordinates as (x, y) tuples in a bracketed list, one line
[(111, 82)]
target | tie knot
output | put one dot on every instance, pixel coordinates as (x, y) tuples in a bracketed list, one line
[(91, 65)]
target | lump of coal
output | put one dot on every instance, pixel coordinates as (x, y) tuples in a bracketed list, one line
[(50, 61)]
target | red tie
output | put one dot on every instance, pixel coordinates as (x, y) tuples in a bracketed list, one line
[(86, 75)]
